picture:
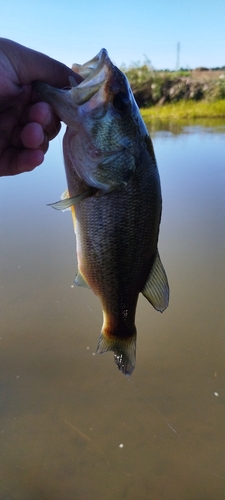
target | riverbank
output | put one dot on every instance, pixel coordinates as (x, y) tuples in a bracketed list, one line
[(178, 94), (185, 110)]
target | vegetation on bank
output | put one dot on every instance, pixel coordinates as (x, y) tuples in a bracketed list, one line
[(180, 94), (185, 110)]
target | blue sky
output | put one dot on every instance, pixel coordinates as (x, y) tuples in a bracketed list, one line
[(75, 31)]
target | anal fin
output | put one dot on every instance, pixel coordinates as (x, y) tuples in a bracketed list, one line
[(156, 289), (80, 280)]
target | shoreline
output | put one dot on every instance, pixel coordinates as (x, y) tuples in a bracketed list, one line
[(185, 110)]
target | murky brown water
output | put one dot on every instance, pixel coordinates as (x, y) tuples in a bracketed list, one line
[(63, 411)]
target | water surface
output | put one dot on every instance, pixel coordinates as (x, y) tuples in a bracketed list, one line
[(64, 412)]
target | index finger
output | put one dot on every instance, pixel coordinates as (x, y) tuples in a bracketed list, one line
[(32, 65)]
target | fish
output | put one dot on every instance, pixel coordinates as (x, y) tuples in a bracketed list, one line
[(114, 194)]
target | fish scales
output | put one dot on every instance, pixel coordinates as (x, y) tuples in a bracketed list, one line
[(108, 229), (115, 197)]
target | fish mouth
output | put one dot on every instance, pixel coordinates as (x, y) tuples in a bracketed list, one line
[(100, 73), (102, 84), (87, 70), (94, 74)]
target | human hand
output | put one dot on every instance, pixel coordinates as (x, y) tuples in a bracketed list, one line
[(26, 125)]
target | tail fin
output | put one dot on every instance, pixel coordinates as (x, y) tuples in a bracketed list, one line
[(124, 351)]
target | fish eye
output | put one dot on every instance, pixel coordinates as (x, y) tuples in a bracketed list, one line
[(121, 102)]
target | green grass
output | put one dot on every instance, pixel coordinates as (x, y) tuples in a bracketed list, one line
[(185, 109)]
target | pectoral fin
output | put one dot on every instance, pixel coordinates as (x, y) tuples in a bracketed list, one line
[(156, 288), (66, 203)]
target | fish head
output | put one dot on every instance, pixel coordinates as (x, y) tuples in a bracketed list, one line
[(104, 123)]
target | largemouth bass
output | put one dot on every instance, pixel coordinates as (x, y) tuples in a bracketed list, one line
[(115, 197)]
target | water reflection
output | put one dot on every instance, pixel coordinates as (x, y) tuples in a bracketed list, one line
[(177, 127), (65, 411)]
